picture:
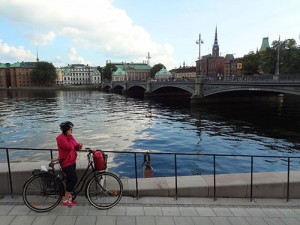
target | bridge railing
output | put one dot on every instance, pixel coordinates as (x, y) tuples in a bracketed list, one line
[(252, 78), (175, 156), (221, 78)]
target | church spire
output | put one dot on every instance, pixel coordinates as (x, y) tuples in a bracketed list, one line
[(37, 55), (215, 50)]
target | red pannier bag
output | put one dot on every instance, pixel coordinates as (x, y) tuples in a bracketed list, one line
[(99, 160)]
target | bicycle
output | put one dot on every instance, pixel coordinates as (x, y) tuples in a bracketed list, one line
[(44, 190)]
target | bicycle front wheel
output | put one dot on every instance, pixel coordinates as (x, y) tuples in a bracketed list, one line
[(42, 192), (104, 190)]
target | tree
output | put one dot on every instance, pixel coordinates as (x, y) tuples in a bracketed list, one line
[(44, 73), (289, 57), (107, 71), (155, 69), (264, 62), (268, 60), (250, 63)]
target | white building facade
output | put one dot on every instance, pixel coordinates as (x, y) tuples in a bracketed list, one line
[(79, 74)]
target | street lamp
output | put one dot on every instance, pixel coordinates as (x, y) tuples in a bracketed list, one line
[(199, 42), (277, 63)]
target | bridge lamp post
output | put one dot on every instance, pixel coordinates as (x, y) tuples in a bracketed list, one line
[(277, 63), (199, 42)]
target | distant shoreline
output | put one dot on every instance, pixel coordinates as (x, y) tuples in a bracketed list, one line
[(75, 87)]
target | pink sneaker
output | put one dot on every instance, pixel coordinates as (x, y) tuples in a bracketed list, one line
[(68, 203)]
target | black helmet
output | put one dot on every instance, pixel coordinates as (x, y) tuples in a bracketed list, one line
[(65, 126)]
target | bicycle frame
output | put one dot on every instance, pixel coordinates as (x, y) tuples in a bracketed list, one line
[(85, 177), (90, 170)]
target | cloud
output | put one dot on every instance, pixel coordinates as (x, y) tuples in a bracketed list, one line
[(74, 58), (13, 54), (97, 25), (42, 39)]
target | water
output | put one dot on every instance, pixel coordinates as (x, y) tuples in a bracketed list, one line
[(31, 118)]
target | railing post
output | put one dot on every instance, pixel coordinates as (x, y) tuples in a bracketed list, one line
[(136, 177), (214, 177), (288, 180), (251, 186), (175, 161), (51, 154), (9, 174)]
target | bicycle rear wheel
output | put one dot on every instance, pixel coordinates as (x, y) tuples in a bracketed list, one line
[(42, 192), (104, 190)]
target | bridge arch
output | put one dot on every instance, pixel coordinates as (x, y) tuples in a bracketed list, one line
[(136, 86), (189, 89)]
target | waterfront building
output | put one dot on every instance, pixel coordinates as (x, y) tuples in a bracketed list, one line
[(119, 75), (212, 64), (59, 76), (4, 75), (17, 74), (215, 65), (78, 74), (131, 71), (163, 74), (184, 72), (232, 66)]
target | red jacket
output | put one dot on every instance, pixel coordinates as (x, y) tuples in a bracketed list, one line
[(67, 146)]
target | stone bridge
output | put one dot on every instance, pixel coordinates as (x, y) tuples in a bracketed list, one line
[(204, 86)]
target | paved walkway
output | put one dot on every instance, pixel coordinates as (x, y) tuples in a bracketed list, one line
[(158, 211)]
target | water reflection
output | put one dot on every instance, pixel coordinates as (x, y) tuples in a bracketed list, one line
[(114, 122)]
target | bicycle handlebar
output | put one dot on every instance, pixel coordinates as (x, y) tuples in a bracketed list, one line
[(53, 162), (56, 161), (87, 150)]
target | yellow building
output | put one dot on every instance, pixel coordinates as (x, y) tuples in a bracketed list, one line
[(185, 72)]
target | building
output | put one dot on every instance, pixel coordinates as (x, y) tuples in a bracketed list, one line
[(131, 71), (5, 81), (17, 74), (163, 74), (232, 66), (185, 72), (211, 64), (59, 76), (216, 65), (264, 44), (78, 74), (119, 75)]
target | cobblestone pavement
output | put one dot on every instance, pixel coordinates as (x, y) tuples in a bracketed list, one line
[(158, 211)]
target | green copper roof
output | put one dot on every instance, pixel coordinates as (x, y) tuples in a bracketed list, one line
[(264, 44), (163, 72), (132, 66), (4, 65), (95, 71), (65, 70), (23, 65), (119, 72)]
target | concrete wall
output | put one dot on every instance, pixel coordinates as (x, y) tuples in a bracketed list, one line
[(265, 185)]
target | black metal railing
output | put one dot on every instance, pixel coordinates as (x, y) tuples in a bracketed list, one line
[(214, 156)]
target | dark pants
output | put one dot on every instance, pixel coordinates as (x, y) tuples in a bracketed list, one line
[(72, 177)]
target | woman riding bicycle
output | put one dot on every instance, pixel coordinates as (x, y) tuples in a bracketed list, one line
[(67, 147)]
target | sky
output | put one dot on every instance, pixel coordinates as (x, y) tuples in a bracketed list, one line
[(93, 31)]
